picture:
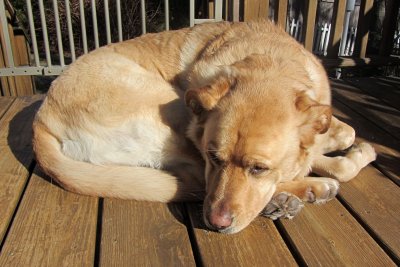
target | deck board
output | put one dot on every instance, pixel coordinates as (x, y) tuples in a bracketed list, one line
[(327, 235), (386, 117), (16, 155), (390, 80), (387, 147), (260, 244), (386, 91), (143, 234), (51, 228), (5, 103), (44, 225), (374, 199)]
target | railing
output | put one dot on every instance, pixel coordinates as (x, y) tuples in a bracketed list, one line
[(57, 54)]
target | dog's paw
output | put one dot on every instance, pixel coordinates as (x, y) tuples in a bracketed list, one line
[(283, 205), (322, 190), (364, 151)]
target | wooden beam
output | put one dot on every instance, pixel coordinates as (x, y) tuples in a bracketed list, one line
[(339, 10), (282, 13), (308, 28), (360, 48), (255, 9)]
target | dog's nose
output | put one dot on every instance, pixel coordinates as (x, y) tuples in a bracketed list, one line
[(220, 218)]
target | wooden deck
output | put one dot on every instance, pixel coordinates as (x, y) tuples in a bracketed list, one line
[(43, 225)]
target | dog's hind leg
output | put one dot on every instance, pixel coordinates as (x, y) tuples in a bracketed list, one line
[(344, 168), (339, 137)]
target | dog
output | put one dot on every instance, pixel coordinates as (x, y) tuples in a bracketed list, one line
[(235, 114)]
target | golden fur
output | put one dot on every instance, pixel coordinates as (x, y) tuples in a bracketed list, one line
[(115, 123)]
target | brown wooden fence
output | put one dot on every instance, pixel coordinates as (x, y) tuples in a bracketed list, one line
[(19, 83), (15, 85)]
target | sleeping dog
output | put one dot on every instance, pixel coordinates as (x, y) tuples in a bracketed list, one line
[(236, 114)]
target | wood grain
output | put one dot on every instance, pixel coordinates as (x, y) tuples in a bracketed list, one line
[(389, 93), (308, 30), (144, 234), (255, 9), (51, 228), (337, 28), (5, 103), (327, 235), (386, 117), (260, 244), (281, 15), (16, 154), (365, 17), (387, 147), (374, 199)]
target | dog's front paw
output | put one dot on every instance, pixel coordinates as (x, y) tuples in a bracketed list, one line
[(283, 205), (322, 190)]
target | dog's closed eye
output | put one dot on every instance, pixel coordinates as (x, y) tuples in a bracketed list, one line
[(212, 155), (258, 169)]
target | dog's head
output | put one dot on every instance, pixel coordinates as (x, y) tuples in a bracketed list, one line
[(253, 128)]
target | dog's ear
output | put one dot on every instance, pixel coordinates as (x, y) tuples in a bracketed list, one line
[(315, 118), (207, 97)]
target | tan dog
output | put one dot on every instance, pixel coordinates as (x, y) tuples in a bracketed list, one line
[(115, 123)]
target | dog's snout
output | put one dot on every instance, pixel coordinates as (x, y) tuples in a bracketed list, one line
[(220, 218)]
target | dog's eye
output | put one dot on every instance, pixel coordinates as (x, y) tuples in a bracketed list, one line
[(257, 169), (212, 155)]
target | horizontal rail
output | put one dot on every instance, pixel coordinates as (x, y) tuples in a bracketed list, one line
[(28, 71)]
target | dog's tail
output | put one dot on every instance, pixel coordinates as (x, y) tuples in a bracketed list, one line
[(125, 182)]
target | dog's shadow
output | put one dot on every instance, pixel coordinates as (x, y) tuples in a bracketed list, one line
[(19, 140)]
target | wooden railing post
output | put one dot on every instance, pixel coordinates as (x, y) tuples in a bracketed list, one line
[(389, 27), (360, 48), (255, 9), (281, 13), (337, 28), (309, 25)]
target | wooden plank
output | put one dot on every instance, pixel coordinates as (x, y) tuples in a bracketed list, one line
[(16, 154), (386, 92), (327, 235), (144, 234), (364, 18), (387, 147), (373, 109), (5, 103), (339, 62), (373, 198), (389, 27), (255, 9), (281, 13), (308, 29), (51, 228), (390, 80), (260, 244), (337, 28)]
